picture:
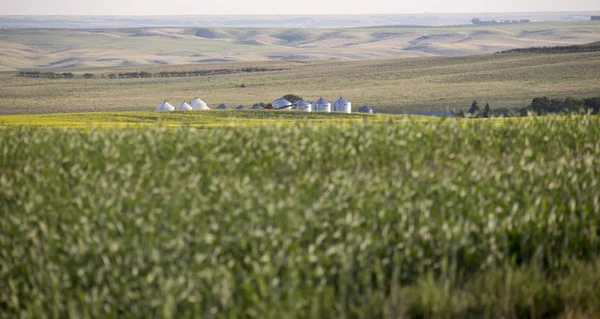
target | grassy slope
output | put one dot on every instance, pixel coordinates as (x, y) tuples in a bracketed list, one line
[(437, 83), (113, 47), (458, 219)]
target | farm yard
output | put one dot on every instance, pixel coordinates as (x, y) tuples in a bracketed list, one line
[(386, 216)]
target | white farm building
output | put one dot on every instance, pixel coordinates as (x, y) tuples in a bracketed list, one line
[(282, 104), (321, 105), (302, 105), (165, 107), (342, 105), (184, 107), (198, 104)]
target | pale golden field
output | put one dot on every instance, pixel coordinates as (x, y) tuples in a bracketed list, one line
[(417, 84)]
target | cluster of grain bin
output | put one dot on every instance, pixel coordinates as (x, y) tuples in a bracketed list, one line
[(194, 105), (320, 105)]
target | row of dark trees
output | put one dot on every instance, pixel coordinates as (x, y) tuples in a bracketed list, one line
[(144, 74), (539, 106), (475, 111), (477, 21), (544, 105), (592, 47), (47, 75)]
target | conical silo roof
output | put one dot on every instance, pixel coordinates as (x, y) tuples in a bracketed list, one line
[(198, 104), (222, 107), (165, 106), (241, 107), (365, 109), (303, 105), (257, 107), (281, 102), (184, 107)]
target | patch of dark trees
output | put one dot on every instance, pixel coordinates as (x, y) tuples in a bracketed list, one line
[(47, 75), (592, 47), (477, 21), (539, 106), (144, 74)]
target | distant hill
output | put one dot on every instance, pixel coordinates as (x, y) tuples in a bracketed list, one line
[(26, 49), (588, 47)]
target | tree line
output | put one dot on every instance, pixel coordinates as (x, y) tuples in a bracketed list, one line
[(538, 106), (145, 74), (592, 47), (477, 21)]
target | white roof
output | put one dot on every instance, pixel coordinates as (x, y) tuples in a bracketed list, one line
[(198, 104), (321, 101), (222, 107), (302, 102), (165, 106), (365, 108), (280, 103), (184, 107), (341, 100)]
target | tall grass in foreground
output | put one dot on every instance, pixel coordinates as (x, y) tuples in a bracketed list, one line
[(438, 219)]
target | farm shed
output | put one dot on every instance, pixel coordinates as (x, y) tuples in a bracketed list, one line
[(282, 103), (165, 107), (365, 109), (222, 107), (198, 104), (302, 105), (184, 107), (321, 105), (342, 105)]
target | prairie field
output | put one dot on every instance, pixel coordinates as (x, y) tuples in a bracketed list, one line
[(441, 218), (417, 84)]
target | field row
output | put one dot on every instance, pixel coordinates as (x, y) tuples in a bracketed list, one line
[(442, 218)]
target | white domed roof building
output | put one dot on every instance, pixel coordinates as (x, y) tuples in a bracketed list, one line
[(282, 104), (321, 105), (198, 104), (165, 107), (342, 105), (222, 107), (365, 109), (184, 107), (302, 105)]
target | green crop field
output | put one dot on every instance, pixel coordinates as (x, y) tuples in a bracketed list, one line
[(418, 84), (444, 218)]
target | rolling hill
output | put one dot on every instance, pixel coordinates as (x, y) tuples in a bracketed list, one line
[(88, 48)]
